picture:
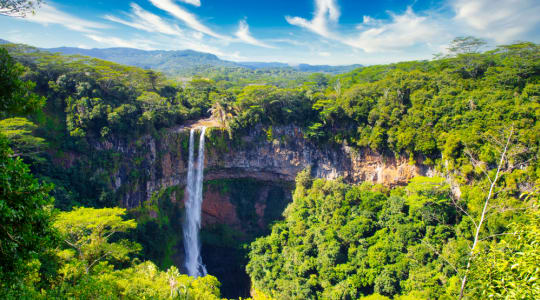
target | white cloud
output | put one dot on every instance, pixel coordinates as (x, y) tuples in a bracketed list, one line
[(192, 2), (47, 14), (325, 54), (144, 20), (187, 17), (244, 35), (294, 42), (197, 35), (326, 12), (502, 20), (198, 46), (402, 31), (117, 42)]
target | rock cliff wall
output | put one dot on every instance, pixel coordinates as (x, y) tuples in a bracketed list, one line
[(156, 162), (248, 184)]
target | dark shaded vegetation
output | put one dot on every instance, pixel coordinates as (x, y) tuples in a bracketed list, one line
[(225, 248)]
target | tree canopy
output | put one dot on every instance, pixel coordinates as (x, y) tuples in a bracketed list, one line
[(337, 240)]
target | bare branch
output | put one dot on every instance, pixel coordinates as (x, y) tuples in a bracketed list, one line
[(484, 211), (476, 163), (97, 260)]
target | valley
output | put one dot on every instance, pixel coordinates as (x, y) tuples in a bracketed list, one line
[(178, 174)]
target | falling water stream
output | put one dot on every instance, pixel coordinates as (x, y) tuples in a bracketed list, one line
[(192, 223)]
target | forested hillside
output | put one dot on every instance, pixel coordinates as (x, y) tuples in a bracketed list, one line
[(470, 229), (187, 63)]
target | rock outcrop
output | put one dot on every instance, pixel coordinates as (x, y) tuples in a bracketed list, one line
[(161, 161)]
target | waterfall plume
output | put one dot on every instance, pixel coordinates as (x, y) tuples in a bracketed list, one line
[(192, 223)]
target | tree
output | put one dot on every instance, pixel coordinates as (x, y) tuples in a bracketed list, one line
[(466, 45), (153, 77), (508, 269), (25, 217), (88, 231), (25, 205), (507, 148), (19, 133), (18, 8), (146, 281), (222, 114), (16, 95)]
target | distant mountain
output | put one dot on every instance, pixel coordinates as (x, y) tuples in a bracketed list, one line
[(184, 62), (327, 69), (263, 65), (301, 67), (189, 62), (4, 42)]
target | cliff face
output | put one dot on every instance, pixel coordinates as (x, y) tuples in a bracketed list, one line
[(161, 161), (248, 183)]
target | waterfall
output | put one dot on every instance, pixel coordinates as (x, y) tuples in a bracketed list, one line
[(192, 222)]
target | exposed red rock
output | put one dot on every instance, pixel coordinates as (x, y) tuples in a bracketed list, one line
[(218, 209)]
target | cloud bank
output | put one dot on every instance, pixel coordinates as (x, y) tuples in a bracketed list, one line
[(47, 14), (503, 21), (188, 18), (144, 20)]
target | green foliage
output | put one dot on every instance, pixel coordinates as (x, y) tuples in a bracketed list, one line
[(19, 133), (270, 105), (90, 256), (508, 268), (26, 234), (146, 281), (337, 241), (341, 242), (25, 215), (16, 95), (413, 108), (143, 281), (102, 98), (86, 232)]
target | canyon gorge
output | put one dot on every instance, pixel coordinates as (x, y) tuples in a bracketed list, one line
[(248, 182)]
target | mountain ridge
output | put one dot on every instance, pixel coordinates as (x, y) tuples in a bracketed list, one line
[(186, 62)]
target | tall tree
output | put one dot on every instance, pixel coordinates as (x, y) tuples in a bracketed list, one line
[(25, 218), (508, 269), (19, 133), (16, 95), (88, 231), (25, 204), (466, 45), (220, 111), (508, 150)]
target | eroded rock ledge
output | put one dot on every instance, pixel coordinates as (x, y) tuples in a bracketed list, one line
[(161, 162)]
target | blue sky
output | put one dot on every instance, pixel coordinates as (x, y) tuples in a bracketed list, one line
[(331, 32)]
